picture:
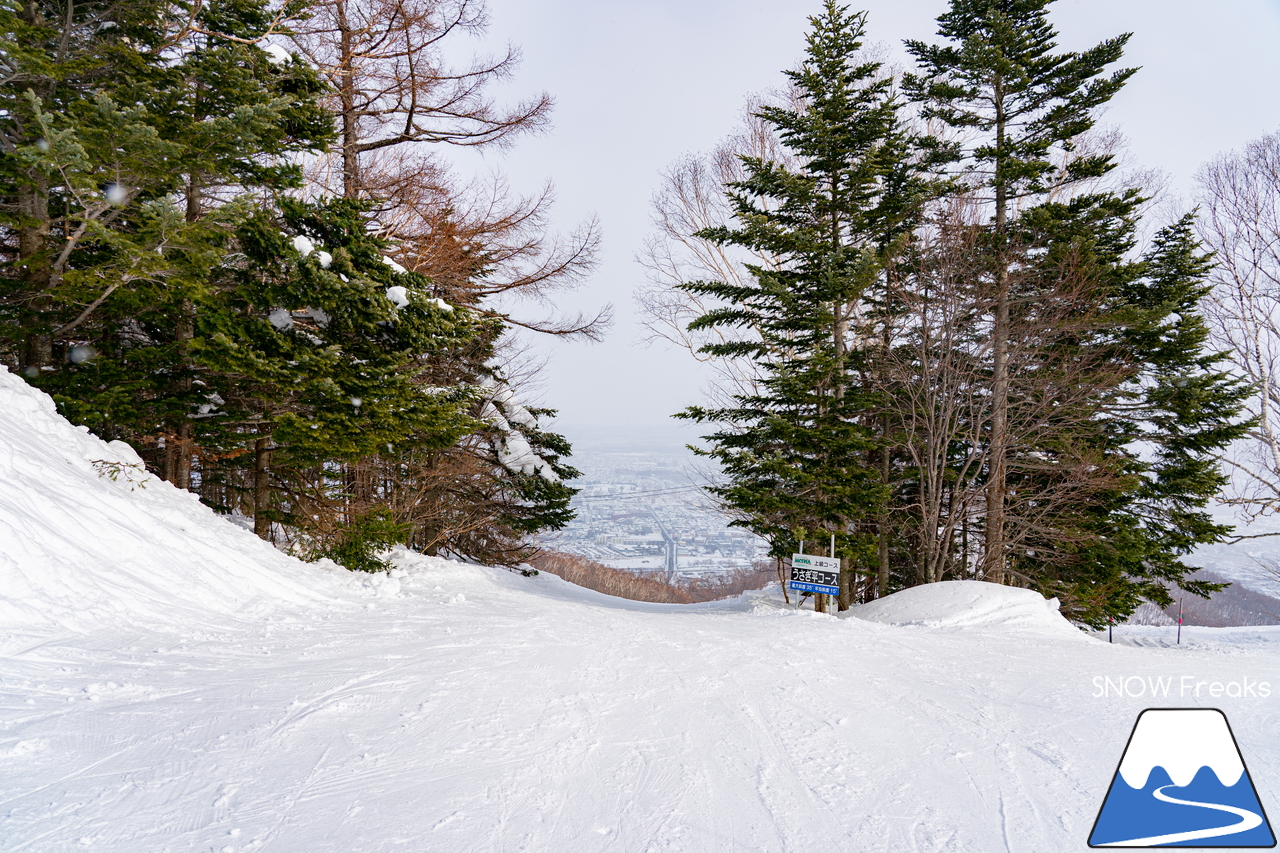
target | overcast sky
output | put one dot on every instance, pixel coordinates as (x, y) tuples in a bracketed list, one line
[(639, 83)]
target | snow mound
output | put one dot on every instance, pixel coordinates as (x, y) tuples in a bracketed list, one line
[(968, 605), (88, 537)]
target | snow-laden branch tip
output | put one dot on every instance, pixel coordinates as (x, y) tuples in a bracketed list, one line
[(277, 55), (399, 296), (512, 447)]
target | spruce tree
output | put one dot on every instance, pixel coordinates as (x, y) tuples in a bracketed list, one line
[(155, 165), (1017, 109), (1173, 417), (68, 150), (1104, 407), (324, 350), (796, 452)]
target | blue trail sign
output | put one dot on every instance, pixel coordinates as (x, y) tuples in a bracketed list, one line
[(815, 574)]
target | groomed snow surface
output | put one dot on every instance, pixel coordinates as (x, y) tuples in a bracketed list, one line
[(170, 683)]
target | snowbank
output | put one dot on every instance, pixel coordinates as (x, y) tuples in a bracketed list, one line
[(88, 537), (968, 605)]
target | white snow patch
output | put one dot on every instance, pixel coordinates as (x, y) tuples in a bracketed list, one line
[(324, 258), (394, 266), (281, 319), (276, 54), (117, 193), (514, 451), (398, 295), (320, 316), (968, 605), (303, 244)]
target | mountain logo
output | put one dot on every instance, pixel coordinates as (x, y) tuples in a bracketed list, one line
[(1181, 783)]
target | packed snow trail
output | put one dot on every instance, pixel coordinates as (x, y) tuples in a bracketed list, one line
[(468, 709)]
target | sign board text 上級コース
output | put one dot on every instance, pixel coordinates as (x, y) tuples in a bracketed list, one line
[(810, 573)]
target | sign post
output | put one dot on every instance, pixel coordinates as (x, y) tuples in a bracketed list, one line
[(815, 574)]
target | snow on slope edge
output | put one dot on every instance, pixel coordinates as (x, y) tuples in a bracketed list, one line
[(87, 537)]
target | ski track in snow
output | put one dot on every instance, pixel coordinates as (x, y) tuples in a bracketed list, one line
[(540, 717)]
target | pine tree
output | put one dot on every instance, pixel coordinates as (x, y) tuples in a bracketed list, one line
[(796, 452), (67, 152), (153, 192), (326, 350)]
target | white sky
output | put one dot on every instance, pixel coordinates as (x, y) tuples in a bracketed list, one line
[(639, 84)]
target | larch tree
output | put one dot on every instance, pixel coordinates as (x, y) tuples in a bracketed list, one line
[(397, 98)]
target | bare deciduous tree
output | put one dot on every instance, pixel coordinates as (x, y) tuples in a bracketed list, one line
[(398, 96), (1240, 193), (691, 199), (394, 84)]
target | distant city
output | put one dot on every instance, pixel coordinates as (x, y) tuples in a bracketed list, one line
[(641, 507)]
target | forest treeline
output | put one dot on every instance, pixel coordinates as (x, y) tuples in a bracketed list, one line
[(951, 335), (227, 239)]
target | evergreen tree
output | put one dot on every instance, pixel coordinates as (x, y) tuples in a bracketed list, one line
[(397, 96), (1019, 109), (325, 351), (152, 193), (1104, 409), (796, 452), (68, 150), (1175, 416)]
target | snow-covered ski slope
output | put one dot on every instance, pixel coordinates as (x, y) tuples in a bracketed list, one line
[(88, 538), (168, 683)]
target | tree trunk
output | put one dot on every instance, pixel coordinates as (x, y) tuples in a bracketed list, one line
[(36, 270), (184, 446), (261, 486), (347, 99), (882, 517), (184, 331), (993, 561)]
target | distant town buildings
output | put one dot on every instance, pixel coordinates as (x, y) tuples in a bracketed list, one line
[(645, 512)]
